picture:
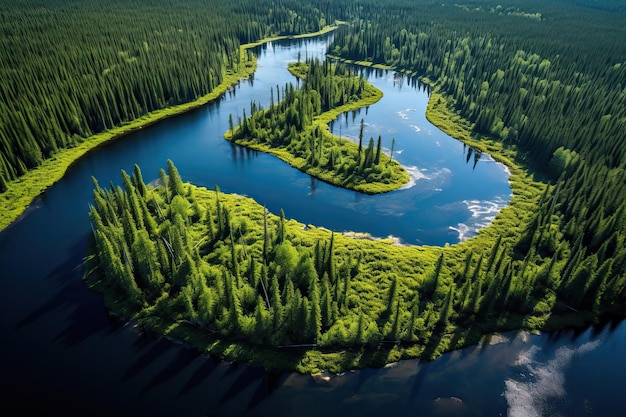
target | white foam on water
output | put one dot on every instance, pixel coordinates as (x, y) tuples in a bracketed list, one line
[(462, 229), (416, 128), (402, 115), (483, 213), (540, 383), (415, 174)]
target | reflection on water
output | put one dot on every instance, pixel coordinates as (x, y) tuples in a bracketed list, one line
[(63, 355)]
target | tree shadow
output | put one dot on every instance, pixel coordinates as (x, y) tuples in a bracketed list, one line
[(65, 297), (248, 377), (431, 348), (87, 316), (270, 382), (85, 321), (157, 350), (207, 368), (418, 381), (183, 358)]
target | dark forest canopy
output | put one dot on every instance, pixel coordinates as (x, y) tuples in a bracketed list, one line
[(544, 81), (73, 69)]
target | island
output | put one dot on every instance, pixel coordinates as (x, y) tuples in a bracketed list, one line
[(539, 87), (296, 130)]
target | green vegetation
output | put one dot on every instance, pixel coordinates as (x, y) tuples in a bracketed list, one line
[(538, 85), (218, 270), (223, 274), (296, 130), (21, 192), (545, 82), (67, 88)]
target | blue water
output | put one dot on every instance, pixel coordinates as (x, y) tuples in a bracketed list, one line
[(62, 355)]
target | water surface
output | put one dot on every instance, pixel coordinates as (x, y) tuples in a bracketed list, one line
[(62, 355)]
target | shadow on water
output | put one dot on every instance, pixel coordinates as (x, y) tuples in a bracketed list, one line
[(87, 315), (199, 375), (269, 383), (158, 349), (418, 381), (247, 378), (184, 358), (85, 321)]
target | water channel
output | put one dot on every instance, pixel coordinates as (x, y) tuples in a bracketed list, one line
[(61, 354)]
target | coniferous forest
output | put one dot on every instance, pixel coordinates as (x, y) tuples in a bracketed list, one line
[(295, 125), (72, 70), (539, 85)]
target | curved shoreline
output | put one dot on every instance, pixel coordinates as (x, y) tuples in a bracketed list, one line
[(525, 190), (23, 191), (373, 96)]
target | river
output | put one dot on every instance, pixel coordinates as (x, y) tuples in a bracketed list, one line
[(62, 355)]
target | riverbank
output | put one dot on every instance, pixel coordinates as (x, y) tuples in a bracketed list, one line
[(378, 263), (526, 192), (386, 175), (23, 191)]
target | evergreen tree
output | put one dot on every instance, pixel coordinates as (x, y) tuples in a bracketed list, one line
[(361, 137), (378, 150), (175, 182)]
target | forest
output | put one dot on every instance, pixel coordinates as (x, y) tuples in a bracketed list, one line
[(539, 85), (298, 124), (216, 269), (71, 71), (552, 91)]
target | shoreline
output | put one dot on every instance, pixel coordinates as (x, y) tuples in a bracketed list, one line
[(322, 121), (22, 192), (523, 187)]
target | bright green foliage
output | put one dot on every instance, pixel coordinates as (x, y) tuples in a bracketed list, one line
[(174, 181), (70, 72), (549, 95), (222, 274), (180, 271), (293, 131), (547, 91)]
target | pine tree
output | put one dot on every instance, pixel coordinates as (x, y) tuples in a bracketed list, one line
[(281, 228), (277, 305), (446, 311), (393, 144), (326, 302), (315, 320), (138, 181), (392, 295), (175, 182), (361, 138)]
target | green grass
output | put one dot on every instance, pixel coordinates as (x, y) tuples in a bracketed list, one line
[(22, 191), (381, 258), (371, 95)]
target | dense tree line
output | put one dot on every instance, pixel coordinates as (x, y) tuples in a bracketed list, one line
[(548, 81), (188, 255), (70, 70), (545, 79), (224, 265), (291, 125)]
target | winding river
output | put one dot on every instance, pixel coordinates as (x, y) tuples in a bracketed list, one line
[(61, 355)]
